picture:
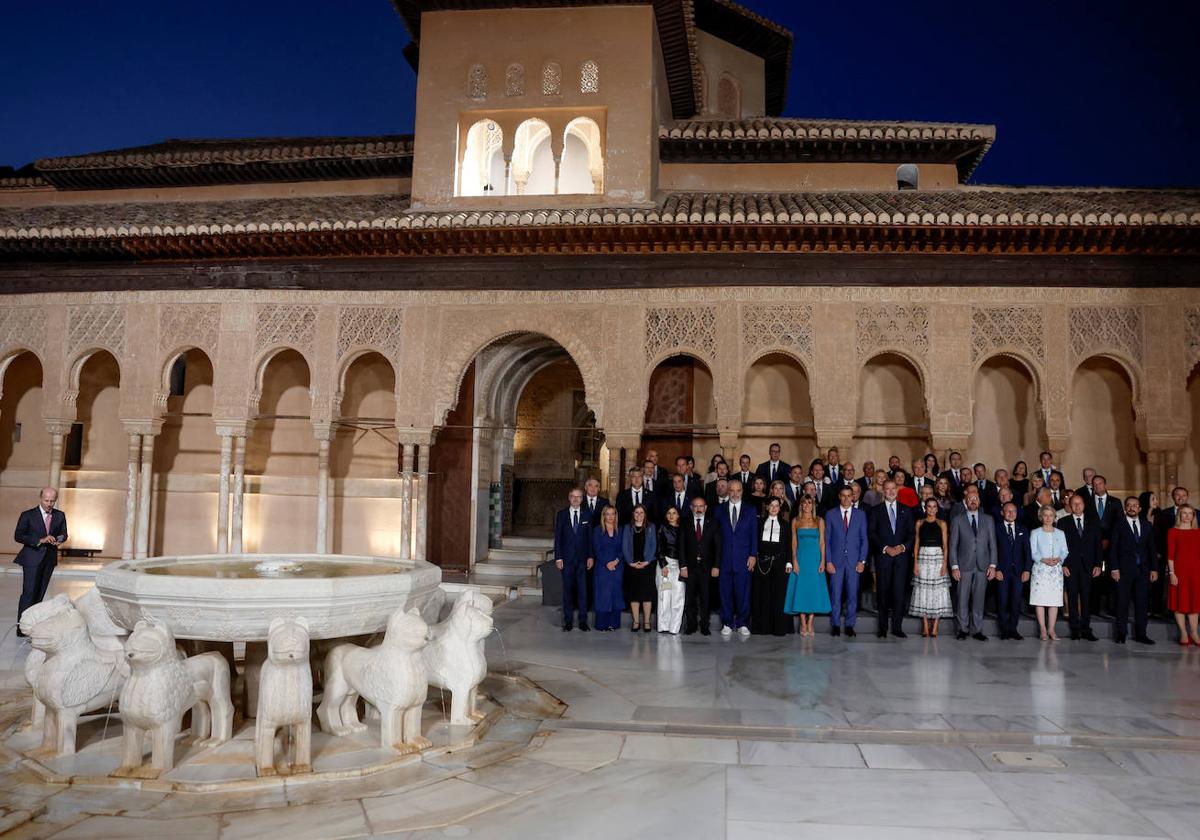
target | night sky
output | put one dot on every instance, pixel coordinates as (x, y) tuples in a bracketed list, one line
[(1096, 93)]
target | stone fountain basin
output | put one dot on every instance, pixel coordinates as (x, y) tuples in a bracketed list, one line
[(234, 597)]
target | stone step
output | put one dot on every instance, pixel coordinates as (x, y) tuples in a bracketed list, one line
[(515, 555), (509, 570), (540, 543), (505, 584)]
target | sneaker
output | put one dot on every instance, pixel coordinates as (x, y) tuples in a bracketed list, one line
[(726, 630), (743, 630)]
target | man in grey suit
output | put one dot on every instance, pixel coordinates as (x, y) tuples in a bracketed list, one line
[(972, 562)]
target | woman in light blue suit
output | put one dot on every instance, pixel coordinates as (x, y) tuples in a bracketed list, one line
[(639, 550)]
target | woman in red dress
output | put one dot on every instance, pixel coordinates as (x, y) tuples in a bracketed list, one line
[(1183, 574)]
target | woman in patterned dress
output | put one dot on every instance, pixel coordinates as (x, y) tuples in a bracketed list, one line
[(931, 578)]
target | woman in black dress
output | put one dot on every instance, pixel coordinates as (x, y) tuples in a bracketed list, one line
[(1018, 482), (639, 550), (768, 584), (757, 494)]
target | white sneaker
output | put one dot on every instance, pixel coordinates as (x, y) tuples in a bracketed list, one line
[(726, 631), (743, 630)]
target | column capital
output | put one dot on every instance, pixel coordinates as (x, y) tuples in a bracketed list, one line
[(323, 430), (58, 426), (842, 439), (414, 437), (622, 441), (949, 441), (233, 428), (147, 427)]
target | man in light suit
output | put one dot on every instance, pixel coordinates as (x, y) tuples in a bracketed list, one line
[(572, 555), (40, 531), (891, 535), (739, 553), (972, 562), (846, 546)]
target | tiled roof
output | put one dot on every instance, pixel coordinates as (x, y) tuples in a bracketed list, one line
[(188, 162), (964, 207), (791, 139)]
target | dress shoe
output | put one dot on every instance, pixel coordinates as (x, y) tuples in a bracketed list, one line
[(567, 628), (1090, 636), (743, 630), (1119, 638), (1143, 640), (850, 634), (583, 628), (960, 635), (899, 634), (704, 631), (836, 631), (979, 637), (689, 631), (880, 634), (1015, 636), (726, 630), (1075, 636)]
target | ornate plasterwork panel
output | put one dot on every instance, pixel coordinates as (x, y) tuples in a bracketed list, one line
[(552, 79), (374, 327), (24, 327), (683, 328), (880, 327), (514, 80), (1095, 329), (589, 77), (198, 325), (477, 82), (784, 326), (283, 325), (998, 328), (96, 326), (1191, 321)]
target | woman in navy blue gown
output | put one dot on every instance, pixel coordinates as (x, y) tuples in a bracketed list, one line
[(608, 569)]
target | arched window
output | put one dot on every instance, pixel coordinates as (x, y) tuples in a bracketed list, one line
[(907, 176), (514, 80), (551, 79), (582, 168), (533, 159), (729, 98), (589, 77), (477, 82), (482, 169)]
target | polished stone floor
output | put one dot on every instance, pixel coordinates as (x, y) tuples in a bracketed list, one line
[(740, 738)]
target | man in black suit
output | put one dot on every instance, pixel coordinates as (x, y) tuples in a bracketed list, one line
[(989, 493), (593, 502), (825, 494), (1030, 514), (1046, 466), (1086, 489), (953, 474), (1133, 565), (794, 489), (1013, 566), (1057, 485), (1164, 521), (654, 485), (833, 468), (868, 476), (745, 472), (694, 485), (1104, 508), (1083, 564), (632, 496), (891, 531), (40, 531), (700, 536), (722, 471), (774, 469), (716, 493), (918, 479)]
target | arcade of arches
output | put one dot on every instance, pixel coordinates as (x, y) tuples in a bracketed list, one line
[(432, 423)]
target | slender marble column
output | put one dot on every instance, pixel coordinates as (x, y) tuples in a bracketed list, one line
[(143, 517), (239, 484), (131, 493), (223, 494), (56, 455), (422, 504), (323, 496), (406, 520)]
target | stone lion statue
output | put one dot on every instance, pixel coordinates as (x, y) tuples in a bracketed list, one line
[(391, 677), (285, 690), (455, 659), (162, 686), (76, 666)]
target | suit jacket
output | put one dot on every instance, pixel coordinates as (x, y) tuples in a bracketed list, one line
[(1164, 521), (1012, 556), (792, 497), (826, 496), (669, 501), (649, 551), (572, 545), (1114, 511), (881, 535), (662, 486), (1030, 516), (846, 547), (781, 472), (912, 482), (1084, 552), (695, 487), (989, 496), (31, 527), (864, 483), (1045, 474), (956, 487), (747, 479), (1086, 492), (625, 506), (972, 551), (1128, 554), (704, 554), (829, 473), (740, 542), (601, 504)]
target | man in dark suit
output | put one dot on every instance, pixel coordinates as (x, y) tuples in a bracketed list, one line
[(1057, 485), (678, 497), (1031, 514), (700, 540), (847, 545), (919, 479), (694, 484), (1133, 565), (794, 488), (745, 473), (716, 493), (864, 481), (953, 474), (1164, 521), (833, 468), (989, 493), (662, 476), (1104, 509), (657, 487), (572, 555), (891, 533), (1085, 489), (40, 531), (593, 502), (1046, 466), (774, 468), (739, 553), (1083, 564), (1013, 566), (632, 496), (825, 494)]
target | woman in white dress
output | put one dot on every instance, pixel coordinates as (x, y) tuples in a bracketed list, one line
[(1048, 549)]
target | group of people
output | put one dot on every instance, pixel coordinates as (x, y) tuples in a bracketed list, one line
[(774, 545)]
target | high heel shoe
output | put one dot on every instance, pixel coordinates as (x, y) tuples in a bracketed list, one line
[(633, 628)]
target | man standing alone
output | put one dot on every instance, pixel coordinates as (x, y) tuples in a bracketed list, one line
[(40, 531)]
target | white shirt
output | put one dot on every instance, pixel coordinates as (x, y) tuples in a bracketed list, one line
[(1134, 525), (636, 494), (771, 529), (591, 503)]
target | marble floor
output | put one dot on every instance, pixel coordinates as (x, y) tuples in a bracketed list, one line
[(739, 738)]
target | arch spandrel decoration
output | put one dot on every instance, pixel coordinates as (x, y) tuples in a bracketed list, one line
[(998, 328), (881, 327), (92, 326), (671, 330), (786, 327), (1095, 329), (373, 328), (196, 325), (1191, 322), (23, 329), (284, 325)]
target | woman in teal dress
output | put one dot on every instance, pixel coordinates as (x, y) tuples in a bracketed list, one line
[(609, 570), (808, 588)]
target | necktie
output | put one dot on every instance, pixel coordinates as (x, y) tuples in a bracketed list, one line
[(1079, 525), (650, 484), (974, 528), (772, 470), (46, 520), (592, 506), (846, 520), (637, 497), (698, 530), (981, 485), (679, 501), (1100, 507), (1137, 535), (734, 516), (892, 515), (574, 520), (1011, 535)]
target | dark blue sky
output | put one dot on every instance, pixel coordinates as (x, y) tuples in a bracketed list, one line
[(1090, 93)]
